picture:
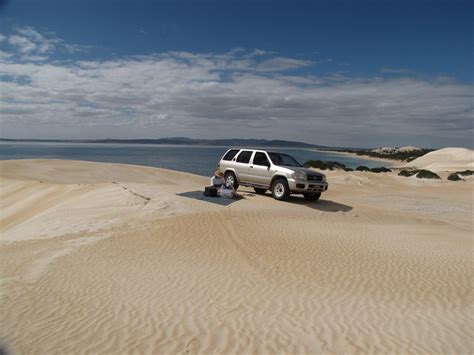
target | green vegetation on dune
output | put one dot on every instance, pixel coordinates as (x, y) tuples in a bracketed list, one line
[(457, 175), (407, 173), (334, 165), (380, 170), (426, 174), (420, 174)]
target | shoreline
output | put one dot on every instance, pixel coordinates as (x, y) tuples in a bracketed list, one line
[(185, 164), (393, 162)]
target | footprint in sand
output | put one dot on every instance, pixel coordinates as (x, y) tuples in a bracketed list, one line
[(191, 346)]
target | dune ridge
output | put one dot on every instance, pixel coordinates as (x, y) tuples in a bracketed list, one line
[(446, 159), (380, 264)]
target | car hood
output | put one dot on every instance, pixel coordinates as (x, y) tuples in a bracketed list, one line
[(301, 170), (306, 171)]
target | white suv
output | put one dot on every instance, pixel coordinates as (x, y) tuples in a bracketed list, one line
[(264, 170)]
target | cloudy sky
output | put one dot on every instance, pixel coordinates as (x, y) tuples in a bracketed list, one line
[(340, 73)]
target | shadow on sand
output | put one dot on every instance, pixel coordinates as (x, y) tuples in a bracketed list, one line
[(320, 205), (198, 195)]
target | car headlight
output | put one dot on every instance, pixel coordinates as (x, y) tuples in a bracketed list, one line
[(298, 176), (323, 178)]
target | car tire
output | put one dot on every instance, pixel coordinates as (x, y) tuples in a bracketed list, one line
[(314, 196), (231, 179), (280, 189), (260, 191)]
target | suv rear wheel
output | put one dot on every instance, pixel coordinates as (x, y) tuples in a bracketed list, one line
[(280, 189), (231, 180), (313, 196)]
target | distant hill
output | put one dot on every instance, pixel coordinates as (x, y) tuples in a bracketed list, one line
[(234, 142)]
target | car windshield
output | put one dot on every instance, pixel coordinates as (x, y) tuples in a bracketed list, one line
[(283, 159)]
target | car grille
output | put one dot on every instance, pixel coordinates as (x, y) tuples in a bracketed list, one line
[(315, 178)]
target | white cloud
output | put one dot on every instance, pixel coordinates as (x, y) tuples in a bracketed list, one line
[(227, 95), (258, 52), (5, 55), (33, 46), (23, 44), (281, 63), (34, 58), (395, 70)]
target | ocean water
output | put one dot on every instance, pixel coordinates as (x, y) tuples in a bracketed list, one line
[(198, 160)]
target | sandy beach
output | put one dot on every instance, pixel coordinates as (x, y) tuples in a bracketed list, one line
[(110, 259)]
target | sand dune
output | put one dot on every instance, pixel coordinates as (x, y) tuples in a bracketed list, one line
[(446, 159), (61, 197), (105, 258)]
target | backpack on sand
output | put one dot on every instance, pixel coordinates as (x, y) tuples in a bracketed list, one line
[(210, 191)]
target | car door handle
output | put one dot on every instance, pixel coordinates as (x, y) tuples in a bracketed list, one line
[(251, 166)]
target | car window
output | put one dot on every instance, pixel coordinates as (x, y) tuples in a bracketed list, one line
[(244, 157), (260, 159), (230, 154), (283, 159)]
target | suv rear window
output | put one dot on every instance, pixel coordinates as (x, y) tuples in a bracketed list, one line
[(244, 157), (230, 154)]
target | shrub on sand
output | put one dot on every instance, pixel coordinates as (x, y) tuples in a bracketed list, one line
[(380, 170), (362, 168), (407, 173), (455, 177), (466, 172), (426, 174)]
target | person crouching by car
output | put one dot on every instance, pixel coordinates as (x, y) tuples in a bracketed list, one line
[(218, 179), (223, 189)]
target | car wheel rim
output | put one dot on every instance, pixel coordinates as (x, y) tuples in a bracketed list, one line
[(279, 189), (230, 180)]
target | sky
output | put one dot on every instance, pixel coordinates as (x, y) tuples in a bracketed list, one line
[(337, 73)]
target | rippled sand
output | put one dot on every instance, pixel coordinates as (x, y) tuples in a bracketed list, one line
[(106, 258)]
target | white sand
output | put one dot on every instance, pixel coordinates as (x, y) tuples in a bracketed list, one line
[(447, 159), (408, 149), (105, 258)]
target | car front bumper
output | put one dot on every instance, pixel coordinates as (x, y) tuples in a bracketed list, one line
[(304, 186)]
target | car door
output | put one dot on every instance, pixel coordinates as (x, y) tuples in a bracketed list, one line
[(242, 165), (260, 169)]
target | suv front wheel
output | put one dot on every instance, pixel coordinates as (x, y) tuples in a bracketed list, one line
[(230, 179), (280, 189)]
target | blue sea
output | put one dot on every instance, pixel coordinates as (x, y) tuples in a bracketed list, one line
[(200, 160)]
